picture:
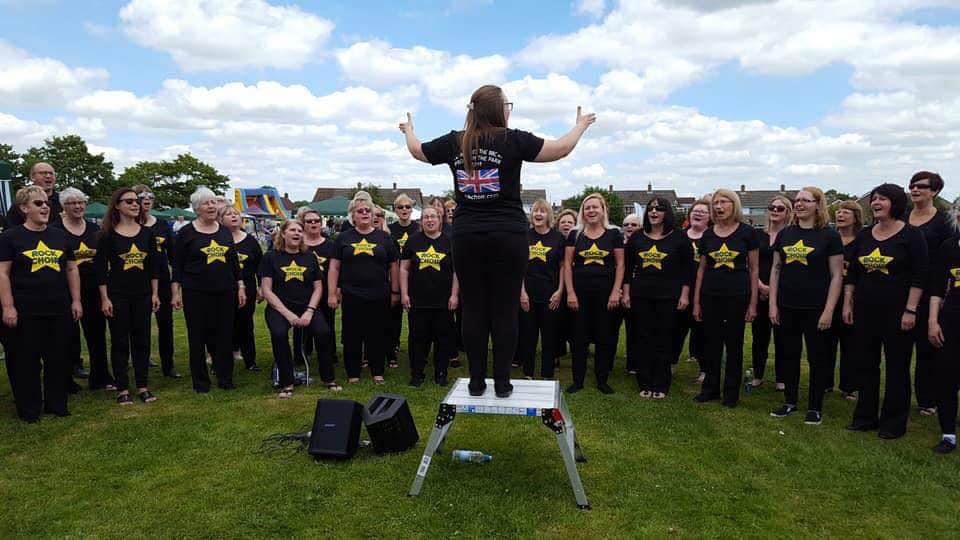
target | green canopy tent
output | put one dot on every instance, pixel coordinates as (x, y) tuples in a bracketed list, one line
[(174, 213), (95, 210), (337, 206)]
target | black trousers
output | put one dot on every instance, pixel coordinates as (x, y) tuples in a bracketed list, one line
[(564, 328), (164, 318), (396, 327), (490, 267), (761, 329), (621, 320), (327, 348), (209, 317), (538, 325), (429, 327), (947, 372), (653, 320), (39, 345), (879, 331), (280, 341), (841, 337), (594, 323), (243, 339), (95, 333), (366, 330), (924, 374), (130, 339), (796, 327), (683, 325), (723, 327)]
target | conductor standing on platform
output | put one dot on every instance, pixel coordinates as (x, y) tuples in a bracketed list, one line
[(490, 242)]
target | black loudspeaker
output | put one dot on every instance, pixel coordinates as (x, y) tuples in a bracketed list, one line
[(336, 429), (390, 424)]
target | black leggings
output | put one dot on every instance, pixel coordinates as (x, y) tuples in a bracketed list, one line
[(279, 329), (243, 339), (653, 320), (35, 342), (366, 331), (948, 372), (841, 337), (797, 326), (594, 323), (538, 324), (327, 348), (130, 339), (723, 327), (685, 323), (490, 267), (428, 327), (760, 330), (95, 333), (209, 317), (878, 329), (164, 318), (396, 327), (924, 382)]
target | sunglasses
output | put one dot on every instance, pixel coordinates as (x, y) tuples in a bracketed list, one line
[(404, 207), (777, 208), (920, 186), (146, 196), (311, 221), (131, 202), (39, 203), (362, 210)]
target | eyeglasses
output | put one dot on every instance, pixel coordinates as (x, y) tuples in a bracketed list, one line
[(379, 215), (311, 221), (131, 202), (654, 209), (40, 203), (146, 196), (75, 203), (777, 208), (403, 207), (508, 105), (918, 185), (362, 210), (804, 201)]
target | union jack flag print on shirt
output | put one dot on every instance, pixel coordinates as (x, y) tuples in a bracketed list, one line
[(480, 181)]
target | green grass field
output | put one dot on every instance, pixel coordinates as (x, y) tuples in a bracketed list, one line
[(186, 466)]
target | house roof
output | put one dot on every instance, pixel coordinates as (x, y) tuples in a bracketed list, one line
[(388, 194), (759, 198), (529, 196), (643, 196)]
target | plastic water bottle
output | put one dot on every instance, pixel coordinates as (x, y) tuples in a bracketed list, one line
[(748, 381), (471, 456)]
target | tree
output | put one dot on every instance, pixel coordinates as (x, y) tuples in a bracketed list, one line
[(614, 202), (374, 192), (173, 181), (833, 195), (75, 165), (8, 154)]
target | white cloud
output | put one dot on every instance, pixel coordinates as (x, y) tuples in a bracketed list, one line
[(32, 81), (226, 34), (590, 172), (593, 8)]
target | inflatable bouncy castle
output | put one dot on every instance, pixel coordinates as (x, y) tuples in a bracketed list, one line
[(259, 202)]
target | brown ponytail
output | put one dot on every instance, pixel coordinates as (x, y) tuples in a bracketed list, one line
[(485, 117)]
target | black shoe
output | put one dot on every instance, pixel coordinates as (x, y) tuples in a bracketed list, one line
[(416, 382), (944, 447), (863, 426), (172, 374), (227, 386), (253, 368), (477, 390), (61, 414), (73, 387), (605, 388), (574, 388), (729, 404), (783, 410), (441, 380), (813, 418), (503, 390), (201, 389), (703, 398), (81, 373), (889, 435)]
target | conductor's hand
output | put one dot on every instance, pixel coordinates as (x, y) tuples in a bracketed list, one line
[(407, 127), (583, 120)]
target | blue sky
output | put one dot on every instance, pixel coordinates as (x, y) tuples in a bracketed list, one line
[(305, 94)]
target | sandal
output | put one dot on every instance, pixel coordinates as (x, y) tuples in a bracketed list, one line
[(756, 383), (379, 380), (286, 393), (110, 388), (928, 411), (353, 380), (659, 395), (334, 387), (124, 399), (645, 393), (393, 364), (364, 364), (147, 397), (849, 396)]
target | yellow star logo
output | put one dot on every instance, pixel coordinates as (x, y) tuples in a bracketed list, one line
[(84, 254), (293, 271), (403, 240), (724, 256), (652, 257), (430, 259), (42, 256), (955, 272), (875, 261), (363, 247), (594, 255), (160, 241), (539, 251), (133, 258), (797, 253), (242, 257), (215, 252)]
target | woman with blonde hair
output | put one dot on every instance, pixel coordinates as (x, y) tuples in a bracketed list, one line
[(725, 295), (541, 292), (490, 243), (779, 217), (401, 231), (848, 219), (805, 285), (593, 270), (698, 219), (322, 249), (249, 254)]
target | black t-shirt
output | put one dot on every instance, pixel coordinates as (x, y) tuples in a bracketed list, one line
[(431, 270), (805, 265), (764, 255), (594, 265), (249, 254), (15, 216), (38, 273), (935, 231), (293, 276), (126, 264), (543, 264), (727, 273), (401, 234), (84, 249), (322, 253), (205, 262), (884, 271), (163, 236), (365, 263), (488, 199), (659, 268), (945, 276)]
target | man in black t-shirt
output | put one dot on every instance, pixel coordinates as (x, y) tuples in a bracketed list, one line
[(43, 175)]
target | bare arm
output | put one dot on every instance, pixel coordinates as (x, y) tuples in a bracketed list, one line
[(6, 295), (697, 314), (834, 292), (774, 287), (405, 283), (266, 288), (413, 143), (558, 149), (73, 283), (568, 278), (614, 299), (333, 283), (753, 263)]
